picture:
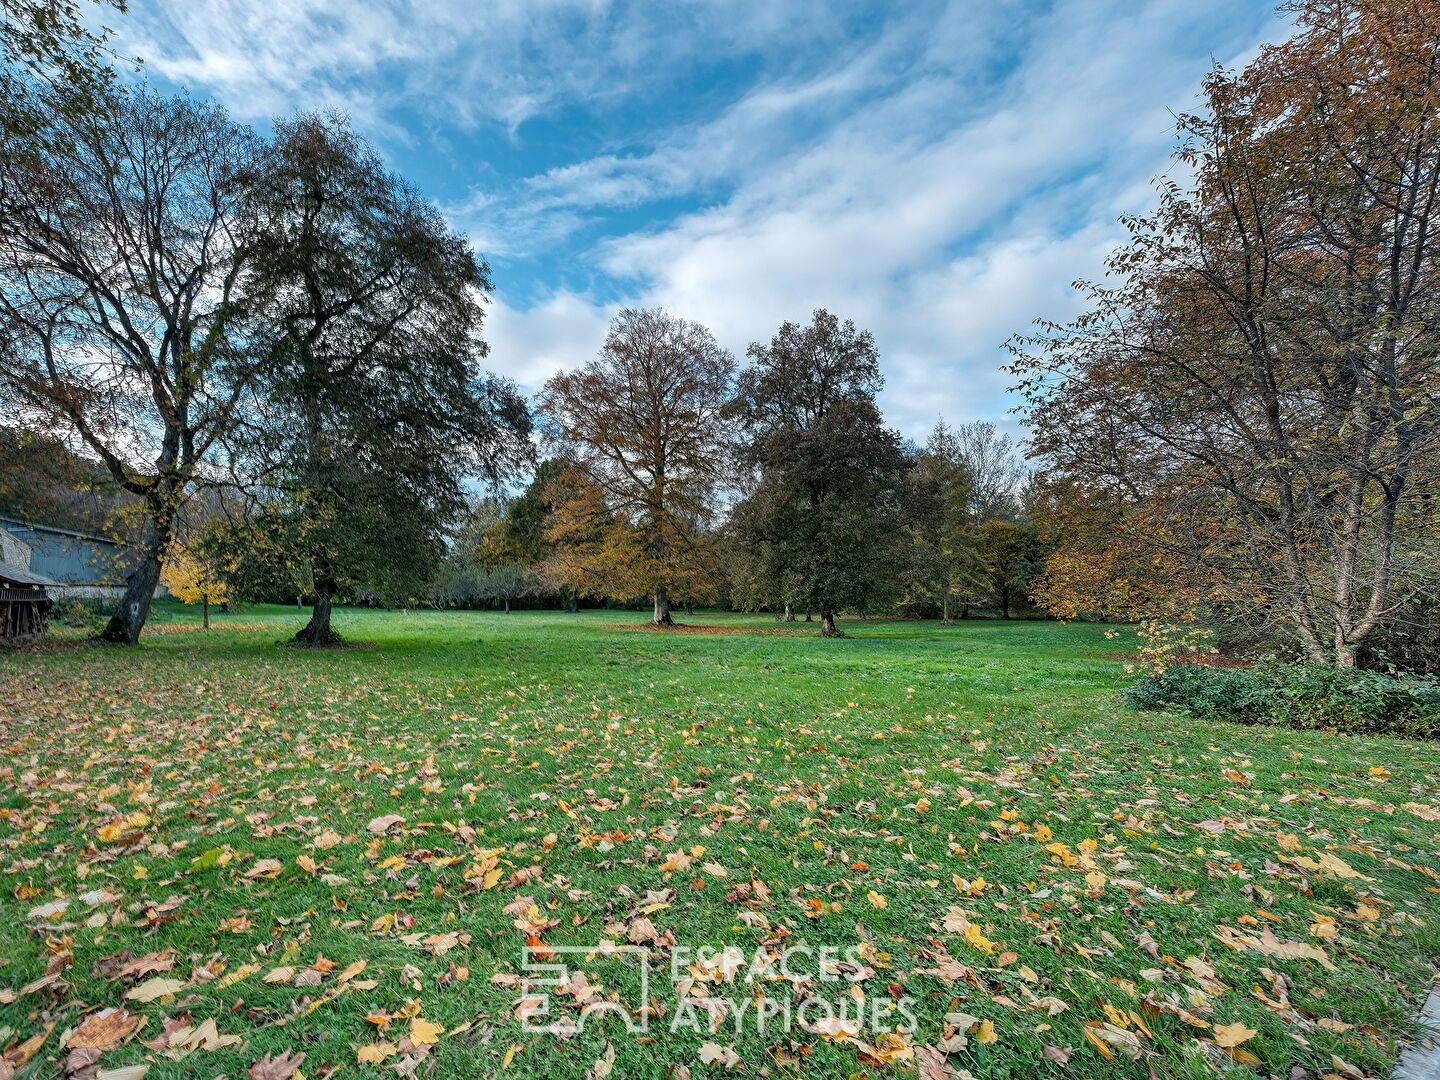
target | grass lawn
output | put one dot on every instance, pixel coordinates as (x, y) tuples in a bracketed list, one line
[(342, 853)]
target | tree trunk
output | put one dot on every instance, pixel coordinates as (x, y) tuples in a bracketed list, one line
[(809, 617), (298, 603), (507, 605), (945, 619), (1004, 605), (827, 625), (964, 611), (125, 625), (789, 614), (205, 609), (689, 607), (129, 618), (662, 609), (574, 601), (317, 631)]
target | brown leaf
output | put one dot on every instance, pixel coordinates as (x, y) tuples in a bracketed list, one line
[(382, 824), (275, 1068), (104, 1030)]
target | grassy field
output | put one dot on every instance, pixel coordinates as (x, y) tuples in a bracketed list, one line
[(248, 850)]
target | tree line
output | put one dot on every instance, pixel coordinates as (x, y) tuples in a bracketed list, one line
[(272, 347)]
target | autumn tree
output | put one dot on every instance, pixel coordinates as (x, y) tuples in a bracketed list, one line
[(1258, 385), (824, 515), (370, 405), (194, 576), (642, 421), (121, 249)]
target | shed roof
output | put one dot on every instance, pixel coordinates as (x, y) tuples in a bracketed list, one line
[(16, 525), (10, 574)]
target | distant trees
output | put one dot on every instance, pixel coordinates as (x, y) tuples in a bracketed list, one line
[(1252, 408), (369, 404), (641, 422), (828, 504)]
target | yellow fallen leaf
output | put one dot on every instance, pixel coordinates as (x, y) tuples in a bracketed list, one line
[(423, 1032), (975, 938), (1229, 1036), (151, 989), (375, 1053), (244, 971), (876, 900), (350, 972)]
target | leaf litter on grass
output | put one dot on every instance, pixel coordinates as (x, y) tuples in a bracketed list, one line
[(227, 859)]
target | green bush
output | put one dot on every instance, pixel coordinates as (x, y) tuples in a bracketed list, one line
[(1299, 696)]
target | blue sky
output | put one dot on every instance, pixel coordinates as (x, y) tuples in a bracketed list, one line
[(939, 172)]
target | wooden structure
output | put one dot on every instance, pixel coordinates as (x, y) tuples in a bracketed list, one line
[(24, 603)]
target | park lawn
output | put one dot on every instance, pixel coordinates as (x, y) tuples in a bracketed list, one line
[(970, 808)]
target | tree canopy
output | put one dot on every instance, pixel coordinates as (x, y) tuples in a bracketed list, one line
[(827, 502)]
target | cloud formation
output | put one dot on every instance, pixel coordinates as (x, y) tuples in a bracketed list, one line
[(939, 172)]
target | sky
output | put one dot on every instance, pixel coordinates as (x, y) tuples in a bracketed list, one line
[(939, 172)]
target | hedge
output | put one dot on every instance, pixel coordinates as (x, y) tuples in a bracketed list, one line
[(1306, 696)]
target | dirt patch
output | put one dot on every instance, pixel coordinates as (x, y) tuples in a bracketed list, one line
[(690, 628)]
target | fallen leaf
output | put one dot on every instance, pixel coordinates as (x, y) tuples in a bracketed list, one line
[(275, 1068), (1229, 1036), (104, 1030), (152, 989), (382, 824)]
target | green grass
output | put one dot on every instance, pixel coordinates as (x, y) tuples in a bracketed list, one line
[(575, 754)]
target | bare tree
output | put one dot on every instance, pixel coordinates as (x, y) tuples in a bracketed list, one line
[(993, 468), (119, 259)]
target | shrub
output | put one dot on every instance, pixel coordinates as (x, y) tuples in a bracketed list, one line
[(82, 611), (1305, 696)]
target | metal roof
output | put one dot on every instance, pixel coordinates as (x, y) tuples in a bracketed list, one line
[(19, 575), (6, 522)]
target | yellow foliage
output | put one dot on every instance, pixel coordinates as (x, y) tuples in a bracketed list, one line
[(192, 580)]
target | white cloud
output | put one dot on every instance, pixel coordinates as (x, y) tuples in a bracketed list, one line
[(941, 181)]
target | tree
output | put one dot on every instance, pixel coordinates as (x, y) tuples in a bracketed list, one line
[(1010, 556), (946, 557), (579, 533), (643, 421), (52, 58), (120, 256), (992, 468), (370, 407), (43, 480), (193, 576), (826, 511), (1259, 389)]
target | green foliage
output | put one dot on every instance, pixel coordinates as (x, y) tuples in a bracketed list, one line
[(377, 407), (1306, 696), (83, 612), (825, 519)]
